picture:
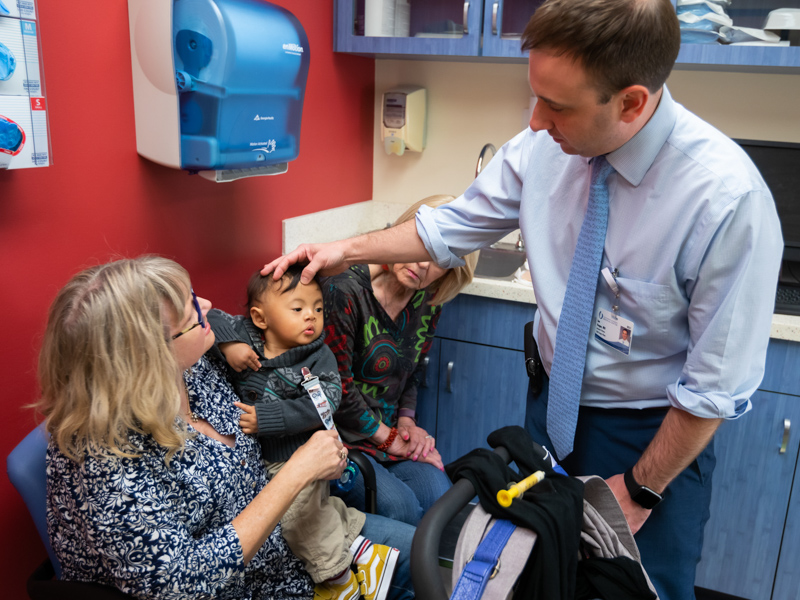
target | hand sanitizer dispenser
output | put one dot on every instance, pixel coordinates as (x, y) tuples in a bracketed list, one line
[(218, 85), (403, 118)]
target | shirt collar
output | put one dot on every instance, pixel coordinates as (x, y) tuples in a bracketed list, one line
[(636, 156)]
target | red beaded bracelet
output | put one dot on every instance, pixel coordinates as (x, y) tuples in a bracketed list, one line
[(389, 440)]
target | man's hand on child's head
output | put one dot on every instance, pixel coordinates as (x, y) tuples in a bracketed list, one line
[(240, 356), (248, 421)]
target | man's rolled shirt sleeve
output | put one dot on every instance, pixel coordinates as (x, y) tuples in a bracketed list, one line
[(730, 309), (487, 211)]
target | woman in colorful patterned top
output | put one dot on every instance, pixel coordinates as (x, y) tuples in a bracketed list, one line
[(380, 321), (152, 486)]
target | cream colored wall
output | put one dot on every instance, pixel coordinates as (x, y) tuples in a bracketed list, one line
[(742, 105), (470, 104)]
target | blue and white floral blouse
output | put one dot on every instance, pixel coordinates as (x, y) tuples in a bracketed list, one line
[(158, 530)]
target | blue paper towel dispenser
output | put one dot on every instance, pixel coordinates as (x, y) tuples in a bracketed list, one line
[(224, 97)]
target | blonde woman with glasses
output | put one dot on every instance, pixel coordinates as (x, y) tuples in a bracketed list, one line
[(152, 486)]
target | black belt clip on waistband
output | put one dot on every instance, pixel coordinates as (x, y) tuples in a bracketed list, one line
[(533, 364)]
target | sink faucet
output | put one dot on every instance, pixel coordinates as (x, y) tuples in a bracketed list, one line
[(481, 156), (520, 243)]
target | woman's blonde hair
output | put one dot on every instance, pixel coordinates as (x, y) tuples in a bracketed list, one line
[(453, 281), (106, 367)]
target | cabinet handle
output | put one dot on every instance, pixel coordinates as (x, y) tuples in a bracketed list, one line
[(425, 362), (450, 376), (787, 427), (494, 18), (466, 18)]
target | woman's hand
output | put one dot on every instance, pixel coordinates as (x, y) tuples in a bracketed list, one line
[(419, 442), (322, 457), (401, 447), (434, 458), (239, 356)]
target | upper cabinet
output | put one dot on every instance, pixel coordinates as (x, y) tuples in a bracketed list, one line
[(503, 24), (740, 40), (408, 27), (492, 29)]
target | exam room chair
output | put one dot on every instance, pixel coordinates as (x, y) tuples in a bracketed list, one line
[(370, 485), (26, 470)]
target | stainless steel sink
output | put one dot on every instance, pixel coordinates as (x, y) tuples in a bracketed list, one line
[(500, 261)]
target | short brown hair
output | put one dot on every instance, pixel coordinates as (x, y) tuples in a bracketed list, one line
[(619, 42)]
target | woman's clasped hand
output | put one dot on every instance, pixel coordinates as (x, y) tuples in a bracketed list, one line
[(421, 445)]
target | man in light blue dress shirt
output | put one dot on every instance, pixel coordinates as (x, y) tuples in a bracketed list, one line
[(693, 245)]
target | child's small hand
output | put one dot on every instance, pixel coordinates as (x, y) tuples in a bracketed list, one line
[(248, 421), (240, 356)]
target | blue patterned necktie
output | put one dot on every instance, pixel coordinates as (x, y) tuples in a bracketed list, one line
[(572, 334)]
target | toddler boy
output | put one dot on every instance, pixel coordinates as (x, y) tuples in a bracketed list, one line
[(266, 351)]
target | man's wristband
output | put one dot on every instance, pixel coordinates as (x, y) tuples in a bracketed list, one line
[(389, 440), (641, 494)]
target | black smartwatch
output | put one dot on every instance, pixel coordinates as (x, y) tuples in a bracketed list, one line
[(641, 494)]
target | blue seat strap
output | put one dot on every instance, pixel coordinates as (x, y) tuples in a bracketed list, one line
[(481, 568)]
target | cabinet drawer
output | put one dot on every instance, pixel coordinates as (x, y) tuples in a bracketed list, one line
[(485, 321)]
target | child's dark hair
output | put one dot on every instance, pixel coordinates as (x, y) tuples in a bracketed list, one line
[(259, 283)]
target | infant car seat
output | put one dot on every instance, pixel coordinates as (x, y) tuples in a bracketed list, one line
[(583, 548)]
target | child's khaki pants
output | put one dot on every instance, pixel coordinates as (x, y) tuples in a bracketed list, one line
[(320, 529)]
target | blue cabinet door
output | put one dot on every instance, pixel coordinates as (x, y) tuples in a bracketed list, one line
[(480, 389), (751, 488), (476, 379), (503, 24), (428, 390), (463, 18), (787, 578)]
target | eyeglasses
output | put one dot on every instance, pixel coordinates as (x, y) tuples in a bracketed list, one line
[(200, 321)]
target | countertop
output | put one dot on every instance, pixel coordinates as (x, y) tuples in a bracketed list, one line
[(353, 219)]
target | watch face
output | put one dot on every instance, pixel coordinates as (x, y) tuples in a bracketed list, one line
[(646, 497), (642, 495)]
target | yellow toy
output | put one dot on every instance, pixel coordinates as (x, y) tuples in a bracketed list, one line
[(504, 497)]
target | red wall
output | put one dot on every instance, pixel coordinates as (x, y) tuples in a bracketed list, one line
[(100, 200)]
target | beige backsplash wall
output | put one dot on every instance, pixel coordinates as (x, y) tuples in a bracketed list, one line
[(470, 104)]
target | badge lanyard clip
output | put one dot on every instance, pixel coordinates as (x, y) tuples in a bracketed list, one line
[(611, 328), (611, 279), (312, 386)]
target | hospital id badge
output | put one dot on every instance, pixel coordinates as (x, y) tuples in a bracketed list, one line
[(612, 330)]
